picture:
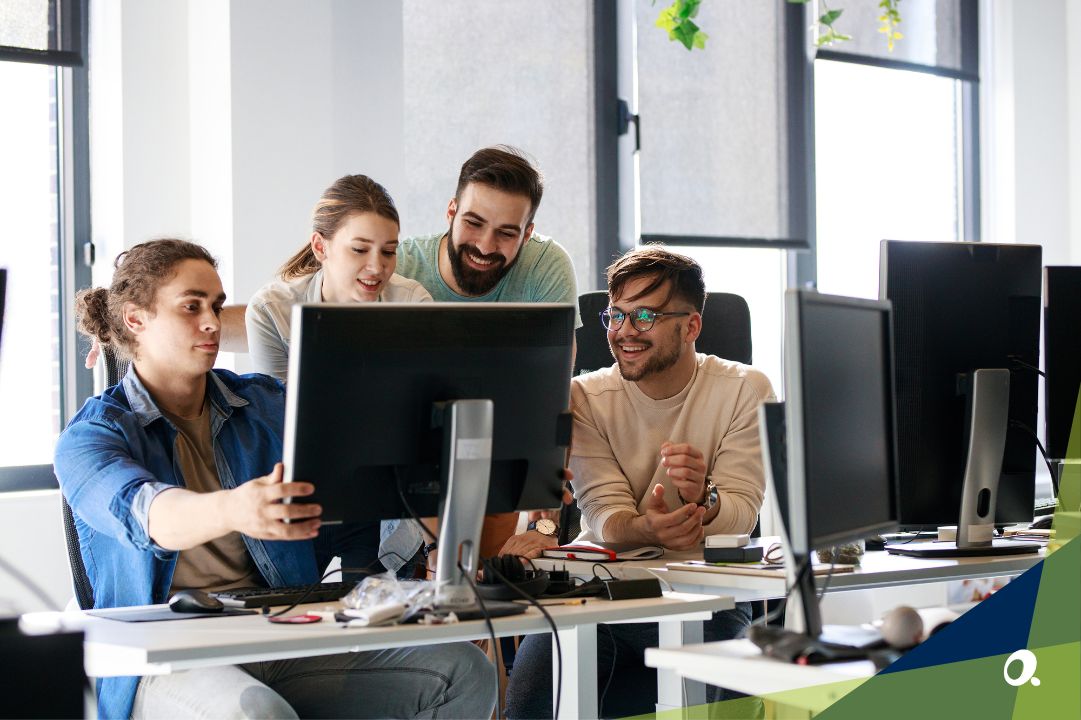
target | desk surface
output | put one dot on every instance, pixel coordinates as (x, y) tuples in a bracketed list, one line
[(743, 668), (120, 648), (877, 569)]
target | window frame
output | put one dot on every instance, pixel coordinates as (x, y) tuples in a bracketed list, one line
[(75, 251), (806, 271), (799, 107)]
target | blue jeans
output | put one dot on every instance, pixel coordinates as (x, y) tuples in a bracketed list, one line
[(621, 656), (444, 681)]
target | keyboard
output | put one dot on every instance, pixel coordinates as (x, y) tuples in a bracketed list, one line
[(264, 597)]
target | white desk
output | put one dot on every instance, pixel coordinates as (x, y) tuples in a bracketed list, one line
[(118, 648), (877, 569), (739, 665)]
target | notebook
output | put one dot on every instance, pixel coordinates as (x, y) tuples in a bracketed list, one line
[(753, 568), (604, 552)]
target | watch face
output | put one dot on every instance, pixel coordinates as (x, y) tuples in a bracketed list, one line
[(546, 527)]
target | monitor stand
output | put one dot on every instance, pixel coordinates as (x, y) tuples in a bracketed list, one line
[(987, 413), (466, 467)]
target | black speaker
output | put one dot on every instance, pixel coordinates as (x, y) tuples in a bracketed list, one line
[(505, 578)]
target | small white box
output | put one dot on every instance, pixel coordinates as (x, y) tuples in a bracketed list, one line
[(727, 541)]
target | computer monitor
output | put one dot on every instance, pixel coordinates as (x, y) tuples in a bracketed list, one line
[(401, 409), (1061, 356), (839, 423), (3, 295), (960, 308)]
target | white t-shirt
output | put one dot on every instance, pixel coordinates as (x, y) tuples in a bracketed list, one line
[(271, 307)]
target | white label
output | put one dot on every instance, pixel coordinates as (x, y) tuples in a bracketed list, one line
[(474, 449)]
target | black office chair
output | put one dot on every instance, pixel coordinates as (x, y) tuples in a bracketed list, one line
[(726, 330), (115, 369)]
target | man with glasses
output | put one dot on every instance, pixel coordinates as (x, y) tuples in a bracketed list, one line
[(665, 451)]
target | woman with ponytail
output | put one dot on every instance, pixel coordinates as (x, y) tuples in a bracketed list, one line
[(350, 257)]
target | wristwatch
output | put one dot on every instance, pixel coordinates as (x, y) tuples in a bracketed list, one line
[(545, 527), (712, 496)]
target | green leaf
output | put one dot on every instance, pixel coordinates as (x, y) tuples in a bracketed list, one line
[(700, 40), (828, 18)]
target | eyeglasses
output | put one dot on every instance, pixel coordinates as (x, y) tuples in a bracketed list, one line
[(642, 319)]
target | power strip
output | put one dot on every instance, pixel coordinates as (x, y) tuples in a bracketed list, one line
[(634, 589)]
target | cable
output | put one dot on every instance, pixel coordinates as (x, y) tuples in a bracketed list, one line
[(776, 612), (1050, 468), (555, 635), (367, 570), (829, 576), (409, 508), (491, 629), (602, 567), (28, 584), (1026, 366), (611, 669)]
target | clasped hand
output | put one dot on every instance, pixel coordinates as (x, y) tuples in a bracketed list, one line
[(679, 529)]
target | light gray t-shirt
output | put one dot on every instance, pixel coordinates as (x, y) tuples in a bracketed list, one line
[(542, 272), (270, 311)]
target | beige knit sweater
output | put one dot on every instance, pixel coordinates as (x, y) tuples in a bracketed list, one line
[(618, 432)]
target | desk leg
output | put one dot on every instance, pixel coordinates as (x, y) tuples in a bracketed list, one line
[(579, 672), (670, 686)]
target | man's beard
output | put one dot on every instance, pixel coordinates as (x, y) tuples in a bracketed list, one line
[(658, 363), (470, 280)]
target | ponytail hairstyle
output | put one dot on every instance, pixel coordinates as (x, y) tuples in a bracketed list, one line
[(348, 195), (139, 273)]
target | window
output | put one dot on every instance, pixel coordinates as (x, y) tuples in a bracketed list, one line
[(888, 167), (895, 139), (478, 74), (722, 171), (42, 141)]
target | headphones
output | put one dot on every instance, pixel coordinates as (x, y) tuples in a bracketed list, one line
[(504, 573)]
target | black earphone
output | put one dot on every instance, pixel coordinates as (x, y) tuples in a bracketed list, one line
[(504, 573)]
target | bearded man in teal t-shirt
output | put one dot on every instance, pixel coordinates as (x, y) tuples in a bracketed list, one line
[(489, 252)]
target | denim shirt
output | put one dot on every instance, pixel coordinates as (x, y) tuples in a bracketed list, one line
[(114, 458)]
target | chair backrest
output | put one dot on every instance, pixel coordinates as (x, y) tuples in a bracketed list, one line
[(726, 330), (84, 592)]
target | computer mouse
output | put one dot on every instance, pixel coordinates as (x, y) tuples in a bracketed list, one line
[(195, 601), (1043, 522)]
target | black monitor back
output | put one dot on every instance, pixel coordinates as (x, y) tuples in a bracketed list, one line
[(364, 381), (842, 483), (1062, 354), (3, 295), (959, 307)]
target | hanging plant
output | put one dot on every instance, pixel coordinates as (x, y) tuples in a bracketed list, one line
[(678, 21)]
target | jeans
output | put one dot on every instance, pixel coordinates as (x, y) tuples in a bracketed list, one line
[(437, 681), (621, 657)]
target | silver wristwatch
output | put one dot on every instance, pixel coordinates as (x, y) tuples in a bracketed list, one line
[(712, 496)]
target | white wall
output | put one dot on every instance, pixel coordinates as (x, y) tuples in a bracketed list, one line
[(32, 538), (1032, 126)]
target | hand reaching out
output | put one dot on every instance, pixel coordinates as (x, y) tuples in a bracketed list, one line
[(255, 509)]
